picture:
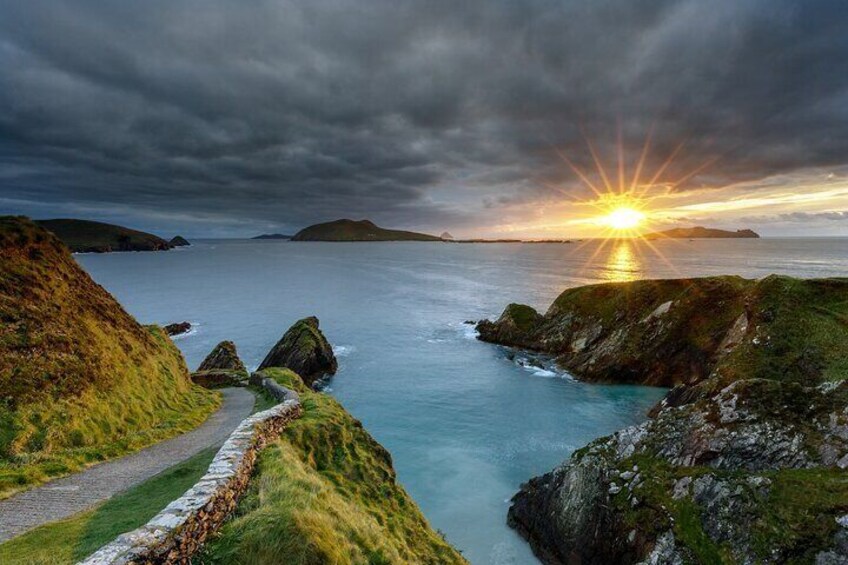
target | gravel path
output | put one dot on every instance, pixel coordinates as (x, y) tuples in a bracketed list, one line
[(66, 496)]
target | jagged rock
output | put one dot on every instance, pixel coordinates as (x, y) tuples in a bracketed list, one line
[(179, 241), (177, 328), (222, 367), (304, 350)]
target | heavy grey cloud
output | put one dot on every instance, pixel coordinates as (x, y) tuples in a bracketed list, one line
[(220, 117)]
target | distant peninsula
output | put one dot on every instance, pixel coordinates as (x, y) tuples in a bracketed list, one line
[(362, 230), (85, 236), (699, 232), (272, 236)]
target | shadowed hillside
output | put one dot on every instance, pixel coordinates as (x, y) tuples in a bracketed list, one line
[(363, 230), (84, 236), (80, 379)]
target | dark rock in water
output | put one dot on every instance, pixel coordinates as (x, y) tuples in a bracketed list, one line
[(222, 367), (178, 328), (224, 356), (179, 241), (516, 327), (470, 322), (304, 350)]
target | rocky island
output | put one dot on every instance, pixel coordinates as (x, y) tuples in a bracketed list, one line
[(362, 230), (84, 236), (699, 232), (742, 462), (272, 236)]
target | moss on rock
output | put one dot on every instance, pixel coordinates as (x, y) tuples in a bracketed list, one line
[(304, 350)]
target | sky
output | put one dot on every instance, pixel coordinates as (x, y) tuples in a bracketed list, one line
[(233, 118)]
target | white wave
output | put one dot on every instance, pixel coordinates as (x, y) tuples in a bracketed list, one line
[(194, 329), (343, 350)]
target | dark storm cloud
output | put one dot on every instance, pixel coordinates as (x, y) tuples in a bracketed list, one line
[(223, 116)]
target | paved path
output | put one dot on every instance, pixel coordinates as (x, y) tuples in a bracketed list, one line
[(66, 496)]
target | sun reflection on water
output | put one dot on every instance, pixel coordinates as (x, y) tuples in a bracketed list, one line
[(623, 263)]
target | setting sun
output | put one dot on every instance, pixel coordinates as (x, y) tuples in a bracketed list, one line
[(624, 219)]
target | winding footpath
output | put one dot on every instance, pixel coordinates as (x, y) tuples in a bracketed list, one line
[(64, 497)]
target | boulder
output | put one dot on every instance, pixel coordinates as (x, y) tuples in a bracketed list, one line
[(222, 367), (177, 328), (304, 350)]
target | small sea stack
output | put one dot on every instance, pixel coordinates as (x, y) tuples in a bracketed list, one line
[(304, 350)]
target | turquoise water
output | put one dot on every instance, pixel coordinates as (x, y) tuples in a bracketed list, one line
[(464, 424)]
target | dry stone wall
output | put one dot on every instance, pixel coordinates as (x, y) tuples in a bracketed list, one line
[(178, 531)]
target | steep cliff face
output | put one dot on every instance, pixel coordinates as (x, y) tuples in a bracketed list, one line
[(744, 460), (80, 379)]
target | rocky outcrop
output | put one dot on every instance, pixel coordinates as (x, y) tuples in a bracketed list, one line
[(222, 367), (664, 332), (304, 350), (179, 241), (177, 328), (743, 462), (177, 532)]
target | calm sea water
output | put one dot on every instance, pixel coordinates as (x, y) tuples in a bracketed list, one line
[(465, 425)]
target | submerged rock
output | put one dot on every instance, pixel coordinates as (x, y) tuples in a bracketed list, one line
[(304, 350), (177, 328), (222, 367)]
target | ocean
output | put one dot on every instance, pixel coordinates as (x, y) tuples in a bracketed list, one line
[(465, 423)]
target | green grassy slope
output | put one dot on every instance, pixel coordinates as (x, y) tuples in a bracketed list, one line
[(326, 493), (80, 379), (363, 230), (87, 236)]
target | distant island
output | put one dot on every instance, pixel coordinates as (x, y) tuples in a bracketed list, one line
[(700, 232), (179, 241), (272, 236), (85, 236), (362, 230)]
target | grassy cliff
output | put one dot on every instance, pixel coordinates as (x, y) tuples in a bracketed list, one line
[(363, 230), (80, 379), (326, 493), (85, 236), (745, 459)]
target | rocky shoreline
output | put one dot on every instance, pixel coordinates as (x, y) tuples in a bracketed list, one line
[(743, 461)]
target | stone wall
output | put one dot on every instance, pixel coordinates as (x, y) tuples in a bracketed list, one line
[(178, 531)]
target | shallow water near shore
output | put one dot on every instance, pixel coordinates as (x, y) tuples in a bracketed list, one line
[(464, 423)]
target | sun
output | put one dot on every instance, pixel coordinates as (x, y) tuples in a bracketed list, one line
[(623, 218)]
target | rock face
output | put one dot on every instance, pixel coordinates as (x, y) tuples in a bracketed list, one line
[(177, 328), (744, 461), (222, 367), (179, 241), (304, 350)]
